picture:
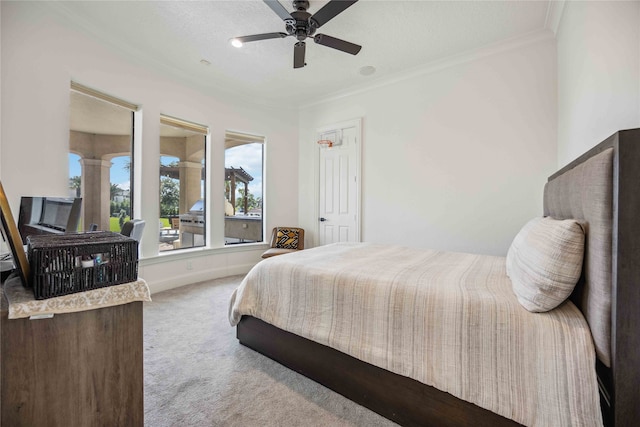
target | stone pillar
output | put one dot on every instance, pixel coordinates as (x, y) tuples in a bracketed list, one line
[(96, 192), (190, 184)]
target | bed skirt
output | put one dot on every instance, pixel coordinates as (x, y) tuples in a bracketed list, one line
[(401, 399)]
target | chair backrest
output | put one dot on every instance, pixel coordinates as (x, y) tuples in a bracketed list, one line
[(287, 238), (175, 223), (127, 227), (133, 228)]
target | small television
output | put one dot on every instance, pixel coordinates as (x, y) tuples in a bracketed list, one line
[(48, 215), (56, 213)]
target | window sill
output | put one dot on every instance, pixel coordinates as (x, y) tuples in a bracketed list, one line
[(191, 253)]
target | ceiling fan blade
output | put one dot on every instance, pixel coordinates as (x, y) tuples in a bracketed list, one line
[(329, 11), (278, 9), (335, 43), (256, 37), (298, 54)]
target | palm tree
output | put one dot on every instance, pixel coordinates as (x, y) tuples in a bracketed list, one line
[(114, 191), (75, 183)]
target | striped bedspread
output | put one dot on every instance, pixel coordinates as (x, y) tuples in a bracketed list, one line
[(449, 320)]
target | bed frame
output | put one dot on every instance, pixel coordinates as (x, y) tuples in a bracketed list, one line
[(409, 402)]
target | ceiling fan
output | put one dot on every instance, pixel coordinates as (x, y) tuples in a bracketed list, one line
[(301, 24)]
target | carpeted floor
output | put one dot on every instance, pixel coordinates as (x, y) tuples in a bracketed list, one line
[(197, 374)]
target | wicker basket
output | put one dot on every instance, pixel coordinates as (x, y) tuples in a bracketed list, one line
[(62, 264)]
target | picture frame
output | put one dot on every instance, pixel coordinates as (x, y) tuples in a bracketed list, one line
[(12, 235)]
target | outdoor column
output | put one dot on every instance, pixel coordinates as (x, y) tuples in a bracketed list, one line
[(246, 199), (232, 192), (96, 192), (190, 184)]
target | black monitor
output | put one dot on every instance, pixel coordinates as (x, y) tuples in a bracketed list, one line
[(48, 215), (56, 213)]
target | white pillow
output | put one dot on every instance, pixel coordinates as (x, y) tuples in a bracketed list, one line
[(544, 262)]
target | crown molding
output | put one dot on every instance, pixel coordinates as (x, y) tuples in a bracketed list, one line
[(534, 37), (554, 15)]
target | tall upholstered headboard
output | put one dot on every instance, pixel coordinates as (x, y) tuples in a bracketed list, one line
[(602, 190), (585, 193)]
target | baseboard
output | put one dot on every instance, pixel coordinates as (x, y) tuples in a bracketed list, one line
[(176, 281)]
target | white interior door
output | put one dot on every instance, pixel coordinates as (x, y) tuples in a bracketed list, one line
[(339, 184)]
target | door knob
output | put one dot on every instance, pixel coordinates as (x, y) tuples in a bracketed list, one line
[(323, 219)]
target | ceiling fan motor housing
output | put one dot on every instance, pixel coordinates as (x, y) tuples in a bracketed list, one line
[(299, 25), (300, 4)]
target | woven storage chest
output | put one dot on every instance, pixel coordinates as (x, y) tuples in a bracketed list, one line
[(62, 264)]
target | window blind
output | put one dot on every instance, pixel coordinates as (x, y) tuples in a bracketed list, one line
[(235, 138), (103, 96), (183, 124)]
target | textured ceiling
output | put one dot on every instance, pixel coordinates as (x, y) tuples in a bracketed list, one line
[(174, 36)]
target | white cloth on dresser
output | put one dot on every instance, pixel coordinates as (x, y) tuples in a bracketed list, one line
[(23, 304)]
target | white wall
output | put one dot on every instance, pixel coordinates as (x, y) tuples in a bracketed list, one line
[(40, 55), (598, 73), (453, 159)]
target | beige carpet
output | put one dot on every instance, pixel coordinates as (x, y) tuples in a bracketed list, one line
[(197, 374)]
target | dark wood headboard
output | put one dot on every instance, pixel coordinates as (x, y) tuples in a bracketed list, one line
[(619, 368)]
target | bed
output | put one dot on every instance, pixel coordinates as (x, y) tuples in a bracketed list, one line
[(446, 340)]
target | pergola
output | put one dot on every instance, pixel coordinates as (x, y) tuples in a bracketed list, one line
[(233, 175)]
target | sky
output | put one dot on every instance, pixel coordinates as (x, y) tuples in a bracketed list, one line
[(248, 157)]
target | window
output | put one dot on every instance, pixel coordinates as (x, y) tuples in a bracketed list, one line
[(100, 157), (243, 160), (182, 184)]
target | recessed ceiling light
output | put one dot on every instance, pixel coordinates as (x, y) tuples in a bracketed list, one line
[(205, 62), (236, 43), (367, 70)]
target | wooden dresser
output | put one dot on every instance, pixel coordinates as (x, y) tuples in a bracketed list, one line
[(74, 369)]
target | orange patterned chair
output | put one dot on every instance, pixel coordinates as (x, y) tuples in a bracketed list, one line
[(285, 240)]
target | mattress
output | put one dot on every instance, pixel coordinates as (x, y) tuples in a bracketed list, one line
[(449, 320)]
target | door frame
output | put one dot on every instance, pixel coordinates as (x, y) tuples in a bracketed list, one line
[(357, 123)]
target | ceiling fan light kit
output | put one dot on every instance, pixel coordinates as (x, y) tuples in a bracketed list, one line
[(301, 24)]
